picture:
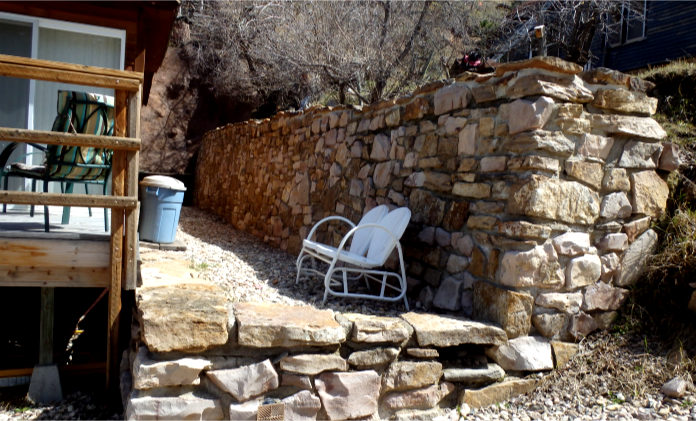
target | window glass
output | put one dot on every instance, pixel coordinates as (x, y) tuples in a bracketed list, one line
[(635, 20)]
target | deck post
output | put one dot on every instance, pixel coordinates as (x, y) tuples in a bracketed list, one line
[(45, 381)]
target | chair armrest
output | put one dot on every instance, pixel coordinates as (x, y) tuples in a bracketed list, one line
[(327, 219), (5, 155)]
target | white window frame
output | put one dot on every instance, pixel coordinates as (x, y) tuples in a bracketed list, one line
[(62, 26), (619, 24), (644, 19)]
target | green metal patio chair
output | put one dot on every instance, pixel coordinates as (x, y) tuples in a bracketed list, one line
[(78, 112)]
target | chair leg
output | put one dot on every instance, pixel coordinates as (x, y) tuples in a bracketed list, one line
[(33, 189), (87, 192), (66, 209), (46, 221), (5, 181), (106, 214)]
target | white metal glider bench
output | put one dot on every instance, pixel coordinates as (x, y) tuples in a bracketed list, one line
[(346, 265)]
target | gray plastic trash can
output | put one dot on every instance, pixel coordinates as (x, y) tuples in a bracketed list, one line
[(160, 206)]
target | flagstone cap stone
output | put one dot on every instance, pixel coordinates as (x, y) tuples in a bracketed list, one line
[(442, 331), (275, 325)]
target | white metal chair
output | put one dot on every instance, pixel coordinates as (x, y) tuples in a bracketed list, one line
[(385, 236), (359, 245)]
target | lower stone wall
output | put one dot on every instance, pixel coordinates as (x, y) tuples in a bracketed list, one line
[(196, 356), (532, 189)]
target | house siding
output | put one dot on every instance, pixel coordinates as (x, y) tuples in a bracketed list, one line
[(670, 33)]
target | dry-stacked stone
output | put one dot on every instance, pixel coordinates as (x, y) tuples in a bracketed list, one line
[(532, 189)]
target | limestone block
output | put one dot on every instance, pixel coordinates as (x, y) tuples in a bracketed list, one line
[(425, 353), (566, 201), (616, 179), (464, 244), (393, 118), (312, 364), (383, 174), (524, 229), (246, 382), (649, 193), (439, 331), (468, 140), (451, 97), (590, 173), (510, 310), (615, 205), (264, 325), (540, 163), (670, 158), (560, 88), (493, 164), (613, 242), (377, 329), (149, 373), (472, 190), (425, 398), (407, 375), (182, 317), (245, 411), (380, 148), (550, 63), (581, 325), (610, 267), (644, 127), (636, 228), (373, 358), (497, 392), (549, 325), (349, 395), (426, 208), (563, 352), (537, 267), (605, 76), (572, 243), (625, 101), (638, 154), (539, 140), (297, 380), (476, 222), (593, 146), (527, 115), (449, 294), (456, 264), (491, 373), (566, 302), (454, 125), (302, 406), (150, 408), (528, 353), (635, 258), (583, 270), (601, 296), (417, 109)]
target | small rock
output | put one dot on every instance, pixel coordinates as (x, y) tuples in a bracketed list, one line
[(373, 358), (246, 382), (583, 270), (411, 375), (615, 205), (675, 388), (312, 364), (425, 353), (567, 303), (528, 353), (497, 392), (526, 115), (302, 406), (563, 352), (490, 374), (669, 159), (297, 380), (572, 243)]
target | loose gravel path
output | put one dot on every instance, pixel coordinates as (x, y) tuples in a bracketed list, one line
[(616, 376)]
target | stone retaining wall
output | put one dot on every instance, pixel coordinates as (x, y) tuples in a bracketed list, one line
[(532, 189), (195, 356)]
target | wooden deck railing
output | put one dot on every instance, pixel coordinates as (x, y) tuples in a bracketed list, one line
[(126, 146)]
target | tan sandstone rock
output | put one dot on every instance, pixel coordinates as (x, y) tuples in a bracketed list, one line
[(149, 373), (424, 398), (411, 375), (498, 392), (311, 364), (536, 267), (527, 115), (635, 258), (628, 126), (510, 310), (349, 395), (271, 325), (375, 329), (553, 64), (649, 193), (246, 382), (625, 101), (443, 331), (527, 353), (563, 352), (372, 358)]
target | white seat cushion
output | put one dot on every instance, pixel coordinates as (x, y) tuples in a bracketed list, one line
[(346, 256)]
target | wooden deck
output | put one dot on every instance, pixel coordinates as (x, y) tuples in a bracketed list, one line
[(17, 223)]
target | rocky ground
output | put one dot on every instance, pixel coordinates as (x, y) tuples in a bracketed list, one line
[(617, 374)]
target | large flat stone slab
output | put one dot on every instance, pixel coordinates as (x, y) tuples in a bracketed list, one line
[(499, 392), (148, 408), (183, 317), (246, 382), (488, 374), (275, 325), (375, 329), (148, 373), (312, 364), (528, 353), (442, 331)]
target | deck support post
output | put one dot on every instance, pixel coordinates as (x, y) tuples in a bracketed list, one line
[(45, 381)]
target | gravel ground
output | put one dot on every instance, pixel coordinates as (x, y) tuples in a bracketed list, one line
[(617, 375)]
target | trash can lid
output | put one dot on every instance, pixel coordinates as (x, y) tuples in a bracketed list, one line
[(164, 182)]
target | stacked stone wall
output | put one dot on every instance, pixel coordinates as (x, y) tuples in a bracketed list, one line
[(532, 189)]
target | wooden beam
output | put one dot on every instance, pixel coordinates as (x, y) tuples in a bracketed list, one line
[(74, 368), (56, 277), (118, 175), (53, 254), (66, 76), (130, 274), (75, 200), (78, 68), (46, 330), (69, 139)]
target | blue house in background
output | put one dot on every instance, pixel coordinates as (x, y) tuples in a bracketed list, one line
[(668, 32)]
